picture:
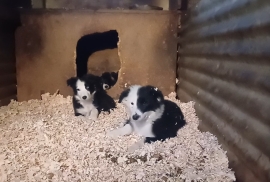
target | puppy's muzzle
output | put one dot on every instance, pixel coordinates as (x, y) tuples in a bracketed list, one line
[(135, 116), (106, 87)]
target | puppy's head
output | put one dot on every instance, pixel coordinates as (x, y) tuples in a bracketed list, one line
[(109, 79), (141, 100), (149, 100), (84, 88)]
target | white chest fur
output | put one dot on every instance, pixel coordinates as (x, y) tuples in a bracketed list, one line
[(143, 128), (87, 107)]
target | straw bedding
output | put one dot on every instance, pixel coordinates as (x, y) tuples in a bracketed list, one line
[(41, 140)]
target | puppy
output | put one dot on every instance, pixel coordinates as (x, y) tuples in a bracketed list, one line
[(150, 115), (109, 79), (89, 97)]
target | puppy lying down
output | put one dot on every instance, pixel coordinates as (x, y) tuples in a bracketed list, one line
[(150, 115)]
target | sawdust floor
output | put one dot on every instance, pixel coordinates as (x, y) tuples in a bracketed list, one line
[(41, 140)]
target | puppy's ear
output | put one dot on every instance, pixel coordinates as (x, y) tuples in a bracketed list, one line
[(105, 75), (114, 76), (72, 81), (123, 95), (157, 94)]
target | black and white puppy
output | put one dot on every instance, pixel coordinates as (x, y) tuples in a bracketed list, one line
[(109, 79), (150, 115), (89, 97)]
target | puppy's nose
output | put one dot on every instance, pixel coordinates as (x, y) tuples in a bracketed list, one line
[(135, 117), (84, 97)]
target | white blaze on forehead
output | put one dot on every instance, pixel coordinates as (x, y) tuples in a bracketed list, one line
[(80, 84), (130, 101), (81, 90), (134, 90)]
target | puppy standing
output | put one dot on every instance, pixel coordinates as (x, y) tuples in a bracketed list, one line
[(149, 115), (89, 98)]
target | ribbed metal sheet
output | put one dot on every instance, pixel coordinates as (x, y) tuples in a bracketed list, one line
[(224, 66), (8, 22)]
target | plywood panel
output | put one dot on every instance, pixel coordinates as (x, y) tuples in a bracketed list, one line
[(46, 45)]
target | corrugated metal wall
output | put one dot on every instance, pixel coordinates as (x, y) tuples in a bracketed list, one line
[(224, 65), (9, 20)]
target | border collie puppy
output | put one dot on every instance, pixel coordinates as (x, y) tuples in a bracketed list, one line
[(89, 97), (109, 79), (150, 115)]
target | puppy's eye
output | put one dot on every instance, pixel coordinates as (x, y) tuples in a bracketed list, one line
[(78, 89), (132, 103)]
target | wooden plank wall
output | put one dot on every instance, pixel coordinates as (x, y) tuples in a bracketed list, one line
[(9, 20)]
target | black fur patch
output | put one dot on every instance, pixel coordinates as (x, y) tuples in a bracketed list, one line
[(123, 95)]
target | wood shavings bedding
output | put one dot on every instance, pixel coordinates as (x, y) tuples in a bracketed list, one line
[(41, 140)]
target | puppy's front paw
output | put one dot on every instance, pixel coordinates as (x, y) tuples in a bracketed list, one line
[(112, 133), (93, 117)]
